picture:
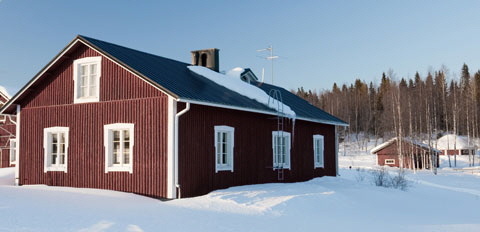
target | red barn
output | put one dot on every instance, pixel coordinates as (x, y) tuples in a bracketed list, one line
[(105, 116), (414, 154), (7, 134)]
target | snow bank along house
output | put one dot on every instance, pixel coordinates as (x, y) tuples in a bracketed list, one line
[(455, 144), (414, 154), (105, 116), (7, 134)]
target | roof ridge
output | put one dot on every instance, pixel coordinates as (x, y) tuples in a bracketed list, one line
[(89, 39)]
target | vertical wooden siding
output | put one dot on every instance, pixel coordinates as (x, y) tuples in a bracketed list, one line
[(124, 98), (57, 85), (253, 156)]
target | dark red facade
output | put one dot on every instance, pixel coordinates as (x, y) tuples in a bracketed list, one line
[(253, 154), (125, 98)]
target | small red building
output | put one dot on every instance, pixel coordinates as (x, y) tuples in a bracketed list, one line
[(414, 154), (7, 134), (105, 116)]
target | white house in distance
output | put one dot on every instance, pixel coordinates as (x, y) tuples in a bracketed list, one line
[(455, 144)]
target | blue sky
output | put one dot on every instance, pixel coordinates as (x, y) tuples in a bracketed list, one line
[(319, 42)]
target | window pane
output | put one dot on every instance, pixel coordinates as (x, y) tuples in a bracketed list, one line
[(62, 137), (54, 148), (62, 159), (116, 146), (116, 135), (126, 135), (126, 158), (83, 92), (54, 138), (83, 81), (115, 158), (93, 69), (93, 91), (224, 158), (83, 70), (54, 159)]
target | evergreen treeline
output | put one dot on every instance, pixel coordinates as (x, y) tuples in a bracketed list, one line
[(428, 105)]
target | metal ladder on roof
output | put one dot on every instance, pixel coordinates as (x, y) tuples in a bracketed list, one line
[(275, 100)]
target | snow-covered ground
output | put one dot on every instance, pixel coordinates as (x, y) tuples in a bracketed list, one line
[(449, 201)]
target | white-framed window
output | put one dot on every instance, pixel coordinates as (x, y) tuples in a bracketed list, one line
[(318, 150), (118, 142), (224, 142), (281, 149), (389, 161), (86, 76), (55, 145), (13, 151)]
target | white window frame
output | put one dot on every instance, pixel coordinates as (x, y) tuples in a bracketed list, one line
[(286, 163), (108, 143), (319, 151), (228, 166), (13, 152), (391, 160), (76, 78), (47, 147)]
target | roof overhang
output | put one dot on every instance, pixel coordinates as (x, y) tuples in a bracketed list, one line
[(274, 113)]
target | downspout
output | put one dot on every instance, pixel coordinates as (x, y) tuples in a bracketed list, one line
[(17, 147), (177, 116), (336, 152)]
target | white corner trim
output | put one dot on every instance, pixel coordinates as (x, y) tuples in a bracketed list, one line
[(231, 155), (107, 141), (87, 60), (172, 110), (17, 145)]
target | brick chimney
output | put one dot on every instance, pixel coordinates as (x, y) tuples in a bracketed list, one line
[(206, 58)]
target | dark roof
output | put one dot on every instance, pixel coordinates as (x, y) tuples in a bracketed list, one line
[(302, 108), (175, 79)]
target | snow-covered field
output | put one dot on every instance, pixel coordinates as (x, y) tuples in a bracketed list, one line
[(449, 201)]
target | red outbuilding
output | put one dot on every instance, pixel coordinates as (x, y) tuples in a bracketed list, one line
[(7, 134), (104, 116), (414, 155)]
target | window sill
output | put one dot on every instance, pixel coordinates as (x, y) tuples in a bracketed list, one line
[(86, 100), (224, 168), (55, 169), (119, 169)]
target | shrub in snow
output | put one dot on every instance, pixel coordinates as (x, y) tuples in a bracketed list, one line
[(382, 178), (399, 181), (361, 174)]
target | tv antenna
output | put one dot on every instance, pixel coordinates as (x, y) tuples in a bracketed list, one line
[(271, 58)]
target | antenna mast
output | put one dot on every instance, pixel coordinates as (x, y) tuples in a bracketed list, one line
[(271, 57)]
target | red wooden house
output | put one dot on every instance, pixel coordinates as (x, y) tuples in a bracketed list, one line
[(7, 134), (105, 116), (415, 155)]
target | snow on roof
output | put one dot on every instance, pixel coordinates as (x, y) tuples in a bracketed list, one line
[(385, 144), (235, 72), (447, 142), (3, 90), (234, 83)]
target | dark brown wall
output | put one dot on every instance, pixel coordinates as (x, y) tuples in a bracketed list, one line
[(252, 151), (124, 99)]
